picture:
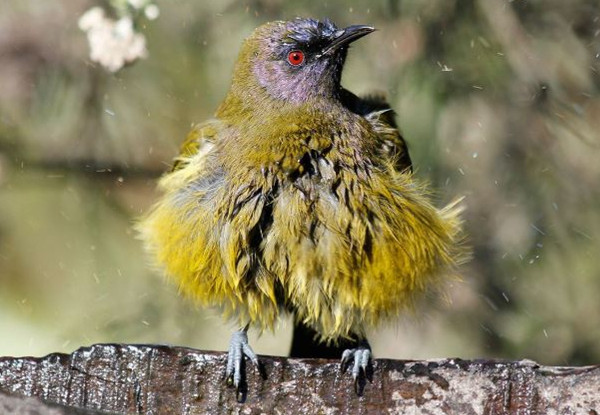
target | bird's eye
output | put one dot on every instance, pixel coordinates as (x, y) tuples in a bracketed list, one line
[(296, 57)]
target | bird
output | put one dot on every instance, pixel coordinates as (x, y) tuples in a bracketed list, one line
[(299, 197)]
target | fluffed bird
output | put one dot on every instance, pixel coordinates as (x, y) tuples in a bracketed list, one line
[(299, 196)]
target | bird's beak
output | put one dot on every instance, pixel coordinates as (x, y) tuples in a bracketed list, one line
[(346, 36)]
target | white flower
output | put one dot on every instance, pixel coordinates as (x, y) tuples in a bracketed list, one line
[(91, 18), (151, 11), (112, 43), (123, 28)]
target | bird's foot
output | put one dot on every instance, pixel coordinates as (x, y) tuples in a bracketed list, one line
[(360, 359), (235, 374)]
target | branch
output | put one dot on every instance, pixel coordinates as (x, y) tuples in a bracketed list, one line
[(175, 380)]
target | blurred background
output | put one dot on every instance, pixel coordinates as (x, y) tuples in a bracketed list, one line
[(497, 99)]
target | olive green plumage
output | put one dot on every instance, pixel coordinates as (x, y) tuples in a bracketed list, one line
[(304, 204)]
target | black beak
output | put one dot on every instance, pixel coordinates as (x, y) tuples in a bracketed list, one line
[(346, 36)]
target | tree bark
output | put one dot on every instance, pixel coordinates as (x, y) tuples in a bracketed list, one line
[(149, 379)]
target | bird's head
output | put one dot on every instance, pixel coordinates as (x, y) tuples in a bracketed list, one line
[(295, 61)]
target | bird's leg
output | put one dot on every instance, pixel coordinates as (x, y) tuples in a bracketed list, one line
[(238, 348), (360, 358)]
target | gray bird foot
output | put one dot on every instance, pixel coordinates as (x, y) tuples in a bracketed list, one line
[(236, 372), (360, 359)]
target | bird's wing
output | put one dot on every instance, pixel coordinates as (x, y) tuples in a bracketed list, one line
[(375, 109), (198, 139)]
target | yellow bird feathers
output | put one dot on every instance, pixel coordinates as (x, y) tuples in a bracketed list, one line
[(301, 200)]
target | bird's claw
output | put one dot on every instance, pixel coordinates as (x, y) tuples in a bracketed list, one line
[(235, 372), (360, 358)]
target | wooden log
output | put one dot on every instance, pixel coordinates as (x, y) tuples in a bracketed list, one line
[(20, 405), (150, 379)]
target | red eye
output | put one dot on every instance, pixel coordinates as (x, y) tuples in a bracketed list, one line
[(296, 57)]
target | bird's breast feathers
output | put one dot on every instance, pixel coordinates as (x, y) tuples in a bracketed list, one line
[(343, 242)]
